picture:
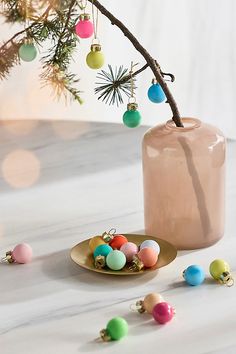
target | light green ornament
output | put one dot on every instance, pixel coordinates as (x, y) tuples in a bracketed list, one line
[(27, 52), (95, 58), (132, 117), (220, 270), (116, 329), (116, 260)]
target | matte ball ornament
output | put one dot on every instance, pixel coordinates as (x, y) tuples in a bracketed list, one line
[(220, 270), (152, 244), (147, 257), (132, 117), (156, 93), (100, 255), (22, 254), (118, 241), (116, 329), (84, 28), (95, 242), (163, 312), (95, 58), (129, 249), (27, 52), (194, 275), (116, 260), (148, 303)]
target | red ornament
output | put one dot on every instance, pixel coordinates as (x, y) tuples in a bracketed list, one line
[(118, 241), (163, 312)]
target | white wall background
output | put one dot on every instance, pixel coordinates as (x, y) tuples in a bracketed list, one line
[(194, 39)]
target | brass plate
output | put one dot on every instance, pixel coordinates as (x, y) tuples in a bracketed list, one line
[(81, 255)]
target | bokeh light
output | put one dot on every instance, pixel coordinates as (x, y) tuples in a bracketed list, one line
[(21, 169), (19, 127), (69, 130)]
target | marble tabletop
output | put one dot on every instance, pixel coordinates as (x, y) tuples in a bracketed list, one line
[(62, 182)]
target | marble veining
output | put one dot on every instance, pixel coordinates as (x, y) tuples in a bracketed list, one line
[(91, 180)]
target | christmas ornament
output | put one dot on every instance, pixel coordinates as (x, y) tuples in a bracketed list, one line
[(194, 275), (27, 51), (132, 117), (22, 254), (108, 236), (95, 58), (155, 92), (100, 255), (163, 312), (116, 260), (116, 329), (95, 242), (152, 244), (118, 241), (84, 28), (129, 249), (147, 304), (147, 257), (220, 270)]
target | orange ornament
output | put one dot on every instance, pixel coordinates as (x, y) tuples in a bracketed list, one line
[(118, 241), (148, 256)]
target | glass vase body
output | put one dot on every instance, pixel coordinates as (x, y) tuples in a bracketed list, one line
[(184, 183)]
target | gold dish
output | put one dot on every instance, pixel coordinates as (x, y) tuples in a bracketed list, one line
[(81, 255)]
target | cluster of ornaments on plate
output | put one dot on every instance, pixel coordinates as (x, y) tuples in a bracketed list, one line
[(115, 252)]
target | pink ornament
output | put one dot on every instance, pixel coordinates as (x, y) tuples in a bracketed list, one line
[(129, 249), (163, 312), (84, 28), (22, 253), (148, 256)]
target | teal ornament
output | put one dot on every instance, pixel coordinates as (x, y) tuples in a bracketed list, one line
[(102, 250), (27, 52), (194, 275), (116, 260), (156, 94), (132, 117)]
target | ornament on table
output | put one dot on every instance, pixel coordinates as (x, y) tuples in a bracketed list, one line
[(118, 241), (116, 260), (147, 257), (100, 254), (129, 249), (132, 117), (84, 27), (147, 304), (116, 329), (156, 93), (27, 50), (21, 254), (220, 270), (163, 312), (194, 275), (152, 244), (95, 58)]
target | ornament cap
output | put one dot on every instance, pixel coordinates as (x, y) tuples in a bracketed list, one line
[(138, 307), (105, 336), (132, 106), (137, 265), (154, 81), (96, 47), (8, 258), (84, 17), (100, 262), (227, 279), (108, 236)]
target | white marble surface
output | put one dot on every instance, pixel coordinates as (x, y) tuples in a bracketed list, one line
[(87, 184)]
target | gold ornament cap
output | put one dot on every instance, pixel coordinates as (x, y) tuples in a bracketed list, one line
[(227, 279), (137, 265), (132, 106), (8, 258), (96, 47), (100, 262), (105, 336), (108, 236), (84, 17)]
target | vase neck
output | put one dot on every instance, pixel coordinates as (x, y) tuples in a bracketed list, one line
[(189, 124)]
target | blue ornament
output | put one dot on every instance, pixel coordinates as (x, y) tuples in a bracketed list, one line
[(156, 94), (152, 244), (194, 275), (102, 250)]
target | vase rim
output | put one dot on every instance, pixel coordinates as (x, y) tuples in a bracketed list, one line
[(189, 124)]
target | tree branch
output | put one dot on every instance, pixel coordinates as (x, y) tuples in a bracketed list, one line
[(151, 62)]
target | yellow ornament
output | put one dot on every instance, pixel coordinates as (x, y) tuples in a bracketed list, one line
[(95, 58), (94, 242), (220, 270)]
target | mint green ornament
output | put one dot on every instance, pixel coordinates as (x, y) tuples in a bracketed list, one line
[(115, 260), (27, 52), (116, 329), (132, 117)]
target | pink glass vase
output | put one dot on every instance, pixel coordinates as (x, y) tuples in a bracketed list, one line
[(184, 182)]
